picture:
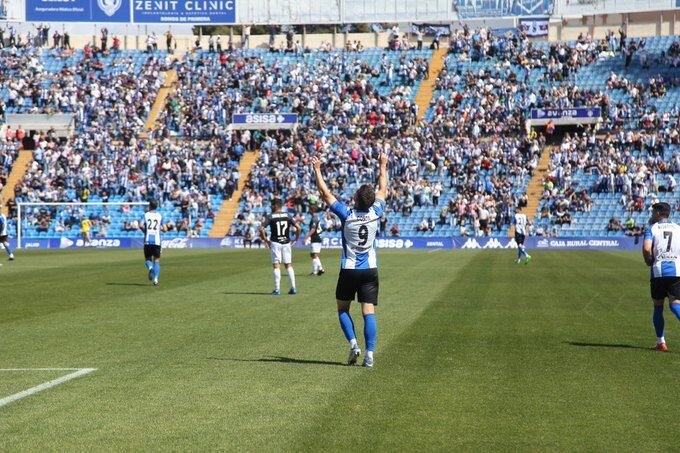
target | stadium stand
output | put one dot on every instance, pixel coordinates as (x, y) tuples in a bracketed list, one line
[(107, 163), (459, 168), (605, 185), (352, 105)]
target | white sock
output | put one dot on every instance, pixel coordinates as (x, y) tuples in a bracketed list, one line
[(277, 279), (353, 343), (291, 274), (318, 264), (369, 354), (660, 340), (314, 266)]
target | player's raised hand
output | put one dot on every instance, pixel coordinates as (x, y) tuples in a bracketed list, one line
[(316, 163)]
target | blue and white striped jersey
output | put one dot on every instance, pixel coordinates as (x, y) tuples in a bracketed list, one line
[(521, 223), (665, 237), (3, 225), (359, 230), (152, 228)]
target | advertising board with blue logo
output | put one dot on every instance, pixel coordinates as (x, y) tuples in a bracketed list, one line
[(399, 243), (564, 243), (99, 11), (577, 115), (132, 11), (264, 120)]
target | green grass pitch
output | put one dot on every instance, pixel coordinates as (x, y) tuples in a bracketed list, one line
[(474, 353)]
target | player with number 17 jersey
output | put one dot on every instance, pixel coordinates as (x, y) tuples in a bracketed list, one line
[(280, 246)]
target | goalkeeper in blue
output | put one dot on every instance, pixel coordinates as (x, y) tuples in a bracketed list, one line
[(4, 237), (661, 251), (359, 268)]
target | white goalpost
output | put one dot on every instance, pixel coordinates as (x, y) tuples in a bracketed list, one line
[(22, 205)]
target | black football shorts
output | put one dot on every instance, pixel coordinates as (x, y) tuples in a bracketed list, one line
[(662, 287), (152, 251), (362, 283)]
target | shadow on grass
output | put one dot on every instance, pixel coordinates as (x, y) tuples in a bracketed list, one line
[(128, 284), (279, 359), (246, 293), (606, 345)]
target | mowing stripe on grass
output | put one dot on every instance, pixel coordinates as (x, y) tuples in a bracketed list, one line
[(44, 385)]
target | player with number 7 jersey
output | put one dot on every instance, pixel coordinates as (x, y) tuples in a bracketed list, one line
[(661, 251)]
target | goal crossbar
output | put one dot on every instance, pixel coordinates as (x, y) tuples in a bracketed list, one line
[(69, 203)]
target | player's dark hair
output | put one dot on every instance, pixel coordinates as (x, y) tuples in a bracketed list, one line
[(662, 209), (364, 197), (153, 204), (276, 204)]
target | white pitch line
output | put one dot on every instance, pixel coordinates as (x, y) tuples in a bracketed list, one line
[(40, 369), (44, 385)]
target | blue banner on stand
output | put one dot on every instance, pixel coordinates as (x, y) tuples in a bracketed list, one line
[(97, 11), (575, 113), (264, 120), (184, 11), (534, 26)]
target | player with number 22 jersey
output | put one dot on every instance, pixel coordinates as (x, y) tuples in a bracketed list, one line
[(151, 226)]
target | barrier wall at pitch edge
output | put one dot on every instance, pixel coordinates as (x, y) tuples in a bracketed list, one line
[(418, 243)]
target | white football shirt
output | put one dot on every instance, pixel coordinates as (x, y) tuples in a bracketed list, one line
[(359, 230), (152, 223), (521, 222), (3, 225), (665, 237)]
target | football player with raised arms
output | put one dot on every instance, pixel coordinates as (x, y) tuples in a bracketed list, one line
[(280, 245), (661, 251), (359, 267)]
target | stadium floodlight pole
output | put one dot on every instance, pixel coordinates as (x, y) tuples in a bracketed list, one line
[(70, 203)]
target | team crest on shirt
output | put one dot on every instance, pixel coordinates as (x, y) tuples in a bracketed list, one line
[(109, 6)]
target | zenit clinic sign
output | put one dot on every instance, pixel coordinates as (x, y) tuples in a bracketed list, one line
[(184, 11)]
